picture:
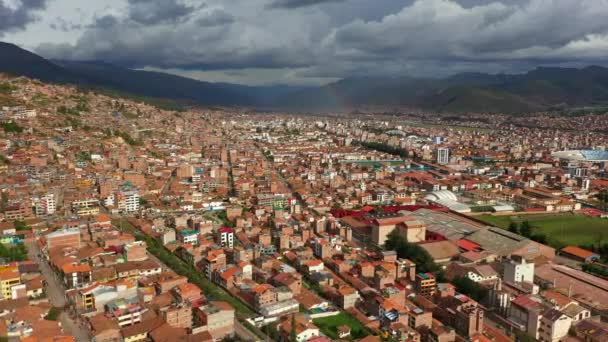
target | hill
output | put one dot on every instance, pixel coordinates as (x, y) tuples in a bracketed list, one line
[(537, 90), (19, 62), (540, 89)]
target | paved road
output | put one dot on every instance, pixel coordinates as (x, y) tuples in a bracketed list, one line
[(244, 333), (56, 294)]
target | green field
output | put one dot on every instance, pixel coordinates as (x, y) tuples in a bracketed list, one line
[(329, 325), (560, 229)]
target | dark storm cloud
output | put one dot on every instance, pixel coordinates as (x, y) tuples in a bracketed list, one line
[(17, 17), (151, 12), (216, 17), (104, 22), (350, 37), (299, 3)]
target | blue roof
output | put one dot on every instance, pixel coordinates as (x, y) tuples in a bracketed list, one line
[(595, 154)]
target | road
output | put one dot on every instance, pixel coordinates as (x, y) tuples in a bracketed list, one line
[(56, 294), (243, 332)]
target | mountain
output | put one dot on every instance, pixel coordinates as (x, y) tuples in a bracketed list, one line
[(98, 75), (19, 62), (539, 89)]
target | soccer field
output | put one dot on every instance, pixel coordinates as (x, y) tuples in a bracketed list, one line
[(560, 229), (329, 325)]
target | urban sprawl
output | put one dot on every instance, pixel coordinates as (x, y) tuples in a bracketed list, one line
[(127, 221)]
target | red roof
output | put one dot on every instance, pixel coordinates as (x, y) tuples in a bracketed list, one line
[(579, 252), (468, 245), (226, 230)]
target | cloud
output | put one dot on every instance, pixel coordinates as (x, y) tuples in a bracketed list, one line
[(158, 11), (216, 17), (15, 15), (349, 38), (299, 3)]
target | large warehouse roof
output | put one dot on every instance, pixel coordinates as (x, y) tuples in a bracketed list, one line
[(582, 155)]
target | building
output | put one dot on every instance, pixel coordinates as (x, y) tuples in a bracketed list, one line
[(9, 277), (125, 311), (425, 284), (304, 330), (554, 325), (226, 235), (127, 201), (45, 205), (76, 275), (178, 316), (410, 228), (443, 155), (63, 238), (579, 254), (462, 313), (219, 319), (518, 270), (136, 251)]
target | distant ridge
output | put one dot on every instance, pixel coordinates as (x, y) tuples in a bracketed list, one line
[(540, 89)]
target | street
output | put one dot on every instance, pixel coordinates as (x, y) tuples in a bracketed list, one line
[(56, 294)]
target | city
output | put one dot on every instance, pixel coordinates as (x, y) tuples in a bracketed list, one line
[(124, 221), (303, 171)]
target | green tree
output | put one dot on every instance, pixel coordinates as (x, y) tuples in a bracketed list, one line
[(292, 334), (424, 261), (525, 229), (470, 288), (513, 228)]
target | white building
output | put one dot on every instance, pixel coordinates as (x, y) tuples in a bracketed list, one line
[(45, 205), (128, 201), (226, 237), (443, 155), (516, 271), (554, 325)]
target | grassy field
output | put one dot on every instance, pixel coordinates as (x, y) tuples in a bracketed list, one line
[(560, 229), (329, 325)]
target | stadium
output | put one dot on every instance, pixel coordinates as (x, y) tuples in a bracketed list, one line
[(582, 155)]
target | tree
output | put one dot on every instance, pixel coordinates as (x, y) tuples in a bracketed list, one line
[(424, 261), (293, 337), (513, 228), (470, 288), (525, 229)]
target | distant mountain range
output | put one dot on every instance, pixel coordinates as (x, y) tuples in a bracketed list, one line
[(539, 89)]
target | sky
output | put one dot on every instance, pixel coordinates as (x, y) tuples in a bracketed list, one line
[(309, 42)]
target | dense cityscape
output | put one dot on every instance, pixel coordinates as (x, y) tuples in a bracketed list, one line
[(124, 221)]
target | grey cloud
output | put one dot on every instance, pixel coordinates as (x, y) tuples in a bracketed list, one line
[(216, 17), (61, 24), (299, 3), (358, 37), (440, 29), (104, 22), (156, 11), (17, 17)]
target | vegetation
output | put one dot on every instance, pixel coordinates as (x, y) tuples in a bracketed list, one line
[(4, 160), (595, 270), (558, 230), (397, 151), (424, 261), (212, 291), (63, 110), (53, 314), (329, 325), (11, 127), (7, 88), (17, 252), (470, 288), (128, 138), (20, 225), (482, 209)]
